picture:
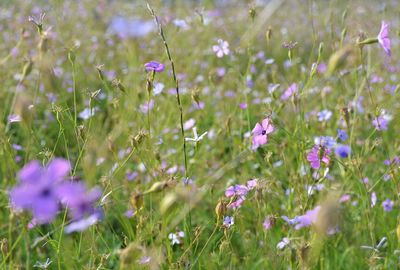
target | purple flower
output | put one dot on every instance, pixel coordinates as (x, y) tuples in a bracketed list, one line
[(317, 154), (383, 37), (292, 89), (154, 66), (380, 123), (79, 201), (236, 190), (228, 222), (387, 205), (237, 204), (308, 218), (38, 189), (14, 118), (342, 134), (260, 133), (83, 224), (221, 49), (267, 224), (251, 184), (324, 115), (343, 151)]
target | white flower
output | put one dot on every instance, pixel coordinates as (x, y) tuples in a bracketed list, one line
[(196, 138), (283, 243), (221, 49)]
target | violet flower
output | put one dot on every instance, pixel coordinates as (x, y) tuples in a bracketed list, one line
[(317, 155), (260, 133), (383, 38), (154, 66), (292, 89), (79, 201), (343, 151), (37, 191)]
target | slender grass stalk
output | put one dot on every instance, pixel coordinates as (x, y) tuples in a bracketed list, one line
[(178, 98)]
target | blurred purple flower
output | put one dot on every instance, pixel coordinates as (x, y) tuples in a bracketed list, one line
[(324, 115), (78, 200), (342, 134), (154, 66), (236, 190), (383, 37), (308, 218), (380, 123), (317, 154), (343, 151), (38, 189), (387, 205), (289, 92), (83, 224)]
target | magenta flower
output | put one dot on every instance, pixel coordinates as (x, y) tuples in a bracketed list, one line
[(260, 133), (292, 89), (38, 189), (383, 38), (154, 66), (317, 154)]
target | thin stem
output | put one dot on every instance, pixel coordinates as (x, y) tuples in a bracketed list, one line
[(178, 99)]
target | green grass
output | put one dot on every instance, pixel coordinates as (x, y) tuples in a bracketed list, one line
[(35, 68)]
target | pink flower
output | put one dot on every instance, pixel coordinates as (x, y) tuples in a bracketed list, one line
[(289, 92), (260, 133), (383, 37), (317, 154)]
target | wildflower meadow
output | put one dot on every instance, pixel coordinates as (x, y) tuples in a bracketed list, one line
[(258, 134)]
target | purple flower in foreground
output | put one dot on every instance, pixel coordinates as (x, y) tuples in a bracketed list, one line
[(387, 205), (383, 37), (343, 151), (260, 133), (78, 200), (292, 89), (154, 66), (318, 154), (38, 189)]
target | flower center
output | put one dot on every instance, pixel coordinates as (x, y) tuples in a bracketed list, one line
[(263, 132), (45, 192)]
